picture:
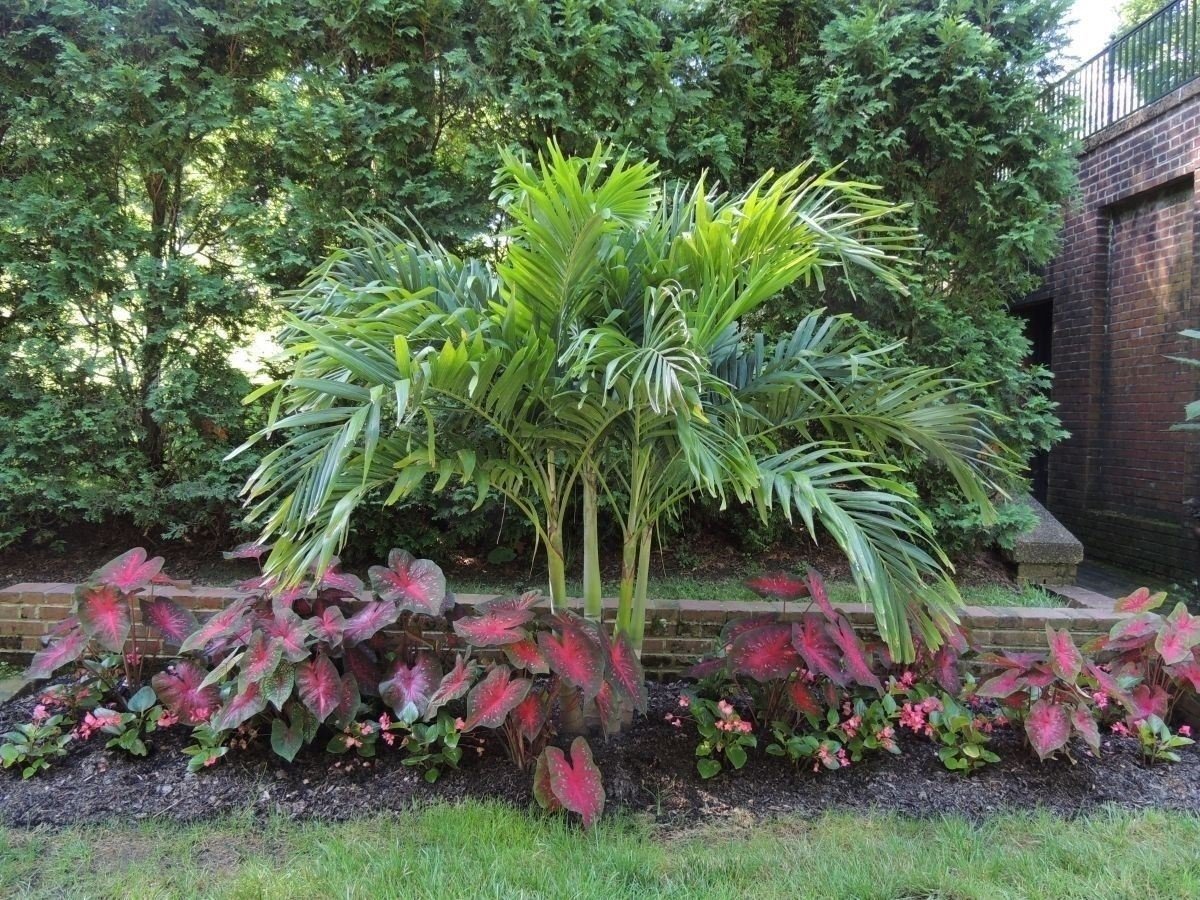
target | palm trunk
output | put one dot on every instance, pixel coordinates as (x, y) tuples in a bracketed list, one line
[(637, 627), (592, 589)]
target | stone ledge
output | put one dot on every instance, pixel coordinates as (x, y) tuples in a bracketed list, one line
[(1049, 554)]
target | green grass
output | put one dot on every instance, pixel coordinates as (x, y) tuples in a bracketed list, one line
[(683, 587), (489, 850), (8, 670)]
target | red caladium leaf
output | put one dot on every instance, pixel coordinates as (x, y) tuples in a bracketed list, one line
[(104, 614), (542, 792), (526, 655), (1065, 659), (1143, 625), (1085, 726), (349, 700), (1188, 670), (1040, 676), (1109, 684), (333, 579), (319, 686), (415, 684), (778, 586), (816, 587), (219, 624), (1010, 660), (242, 706), (373, 617), (62, 650), (811, 640), (706, 668), (803, 699), (328, 626), (417, 585), (250, 550), (515, 605), (362, 662), (765, 653), (263, 655), (494, 698), (574, 655), (170, 619), (497, 624), (1179, 634), (1048, 726), (625, 672), (531, 715), (1148, 701), (290, 631), (945, 669), (1006, 683), (277, 685), (575, 783), (854, 654), (735, 628), (180, 688), (608, 708), (1140, 601), (129, 572), (454, 684)]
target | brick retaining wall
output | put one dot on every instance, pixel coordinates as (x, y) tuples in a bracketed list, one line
[(678, 632)]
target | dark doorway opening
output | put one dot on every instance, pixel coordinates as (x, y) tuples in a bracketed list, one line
[(1039, 329)]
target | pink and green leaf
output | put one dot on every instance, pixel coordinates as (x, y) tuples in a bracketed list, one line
[(1085, 726), (277, 685), (250, 550), (239, 708), (1048, 727), (349, 700), (417, 585), (1065, 658), (263, 655), (854, 654), (542, 792), (532, 714), (1140, 601), (576, 783), (415, 684), (454, 684), (493, 629), (946, 669), (181, 689), (734, 628), (104, 614), (129, 572), (1179, 634), (170, 619), (526, 655), (1187, 671), (219, 625), (368, 621), (291, 633), (804, 700), (816, 587), (765, 653), (490, 701), (778, 586), (574, 654), (1148, 701), (319, 686), (60, 651), (328, 626), (362, 662), (1008, 682), (334, 579), (812, 641), (625, 672)]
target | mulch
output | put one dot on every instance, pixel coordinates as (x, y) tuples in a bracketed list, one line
[(648, 769)]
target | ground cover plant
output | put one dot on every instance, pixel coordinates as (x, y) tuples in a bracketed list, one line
[(403, 672)]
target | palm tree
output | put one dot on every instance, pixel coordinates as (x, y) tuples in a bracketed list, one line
[(605, 356)]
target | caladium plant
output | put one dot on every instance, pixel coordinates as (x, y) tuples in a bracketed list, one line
[(571, 783)]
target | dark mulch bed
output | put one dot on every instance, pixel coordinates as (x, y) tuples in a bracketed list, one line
[(648, 769)]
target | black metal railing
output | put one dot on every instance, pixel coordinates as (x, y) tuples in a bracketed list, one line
[(1145, 63)]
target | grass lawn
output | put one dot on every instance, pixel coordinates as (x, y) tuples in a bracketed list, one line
[(682, 587), (481, 850)]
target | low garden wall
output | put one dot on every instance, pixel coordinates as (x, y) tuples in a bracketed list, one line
[(678, 632)]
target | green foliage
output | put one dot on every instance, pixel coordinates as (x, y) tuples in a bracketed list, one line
[(32, 745)]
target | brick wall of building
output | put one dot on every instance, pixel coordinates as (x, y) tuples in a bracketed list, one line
[(678, 632), (1123, 286)]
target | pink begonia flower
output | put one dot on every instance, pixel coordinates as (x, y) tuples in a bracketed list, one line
[(851, 725), (460, 723), (725, 708), (384, 721), (167, 719), (40, 714), (684, 701), (744, 727), (1185, 730), (1119, 728), (1101, 699)]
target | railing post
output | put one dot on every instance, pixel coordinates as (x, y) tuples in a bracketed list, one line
[(1111, 61)]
